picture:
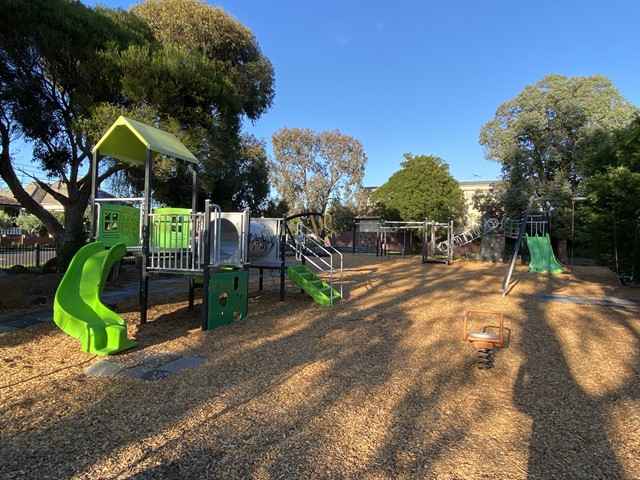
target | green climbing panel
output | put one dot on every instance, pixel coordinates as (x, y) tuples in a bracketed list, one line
[(316, 288), (228, 297)]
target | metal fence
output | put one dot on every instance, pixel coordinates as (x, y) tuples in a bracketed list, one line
[(27, 256)]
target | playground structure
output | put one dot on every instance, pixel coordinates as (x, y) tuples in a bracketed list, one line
[(365, 235), (543, 260), (214, 249), (78, 310), (484, 341), (441, 251), (438, 239), (531, 228), (388, 237)]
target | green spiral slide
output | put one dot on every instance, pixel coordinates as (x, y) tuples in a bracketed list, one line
[(77, 308), (543, 259)]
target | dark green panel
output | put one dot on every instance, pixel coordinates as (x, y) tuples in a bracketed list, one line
[(228, 297)]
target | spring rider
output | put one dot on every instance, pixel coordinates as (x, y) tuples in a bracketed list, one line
[(484, 341)]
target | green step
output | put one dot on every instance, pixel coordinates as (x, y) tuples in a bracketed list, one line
[(315, 287)]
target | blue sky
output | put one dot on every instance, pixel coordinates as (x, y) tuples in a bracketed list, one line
[(422, 76)]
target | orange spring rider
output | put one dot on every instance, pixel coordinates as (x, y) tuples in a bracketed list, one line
[(484, 341)]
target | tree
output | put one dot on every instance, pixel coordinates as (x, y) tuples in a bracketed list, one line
[(234, 166), (243, 180), (491, 203), (52, 75), (230, 46), (6, 220), (610, 224), (79, 69), (339, 218), (543, 135), (422, 189), (31, 224), (312, 168)]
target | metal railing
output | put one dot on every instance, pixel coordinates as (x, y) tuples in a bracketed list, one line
[(184, 242), (175, 242), (27, 256), (307, 245)]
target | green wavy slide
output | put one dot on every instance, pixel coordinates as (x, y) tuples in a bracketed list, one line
[(543, 259), (77, 308)]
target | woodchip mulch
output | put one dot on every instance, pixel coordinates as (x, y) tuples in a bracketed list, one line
[(379, 386)]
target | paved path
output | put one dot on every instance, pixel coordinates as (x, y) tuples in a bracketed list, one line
[(14, 322), (590, 300)]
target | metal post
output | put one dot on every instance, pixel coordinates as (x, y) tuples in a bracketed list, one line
[(353, 250), (573, 215), (283, 257), (94, 194), (144, 278)]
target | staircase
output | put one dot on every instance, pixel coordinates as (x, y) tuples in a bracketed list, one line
[(315, 287), (326, 261)]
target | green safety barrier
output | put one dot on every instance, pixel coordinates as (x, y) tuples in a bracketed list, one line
[(228, 297)]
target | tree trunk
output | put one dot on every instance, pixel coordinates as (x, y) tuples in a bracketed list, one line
[(74, 235), (563, 256), (11, 179), (317, 223)]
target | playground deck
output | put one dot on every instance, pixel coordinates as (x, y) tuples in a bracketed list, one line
[(377, 386)]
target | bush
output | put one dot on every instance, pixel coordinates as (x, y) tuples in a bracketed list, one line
[(6, 221)]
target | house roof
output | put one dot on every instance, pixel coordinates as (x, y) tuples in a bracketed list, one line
[(8, 201), (43, 197), (128, 140)]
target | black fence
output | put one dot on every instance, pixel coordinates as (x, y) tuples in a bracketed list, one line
[(27, 256)]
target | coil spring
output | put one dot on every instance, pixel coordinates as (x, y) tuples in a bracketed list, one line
[(485, 358)]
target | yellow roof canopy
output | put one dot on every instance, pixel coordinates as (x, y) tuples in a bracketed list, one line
[(128, 140)]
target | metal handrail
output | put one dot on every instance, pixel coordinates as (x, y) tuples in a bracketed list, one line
[(303, 235)]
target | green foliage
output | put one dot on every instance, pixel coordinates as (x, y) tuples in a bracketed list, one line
[(31, 224), (241, 182), (53, 74), (543, 136), (423, 189), (274, 208), (339, 218), (310, 169), (6, 220), (492, 203), (230, 46), (608, 222), (59, 216), (206, 74), (36, 226), (67, 71)]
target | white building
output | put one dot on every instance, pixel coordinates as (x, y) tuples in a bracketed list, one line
[(470, 189)]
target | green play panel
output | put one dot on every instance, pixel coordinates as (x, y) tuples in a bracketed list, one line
[(228, 297)]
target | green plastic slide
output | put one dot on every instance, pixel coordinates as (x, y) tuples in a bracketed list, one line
[(315, 287), (543, 259), (77, 308)]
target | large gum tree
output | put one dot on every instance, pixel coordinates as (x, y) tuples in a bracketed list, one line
[(312, 169), (68, 71), (52, 77), (543, 136)]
